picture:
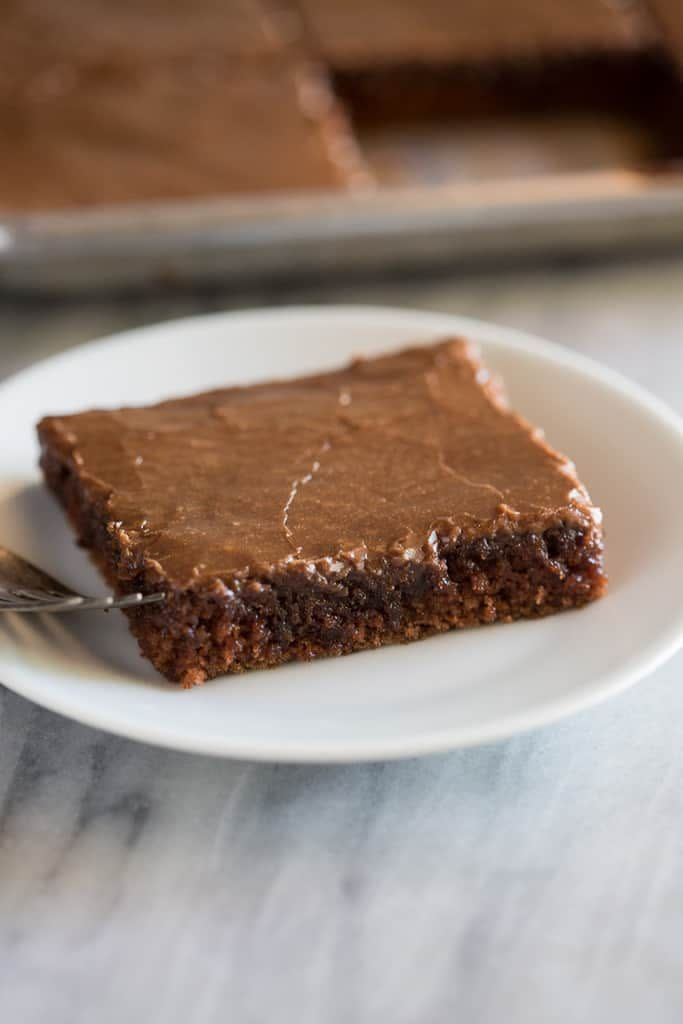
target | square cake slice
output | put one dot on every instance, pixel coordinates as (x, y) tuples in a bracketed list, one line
[(384, 502)]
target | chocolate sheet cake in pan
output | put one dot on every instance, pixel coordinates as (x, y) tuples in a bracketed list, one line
[(147, 141)]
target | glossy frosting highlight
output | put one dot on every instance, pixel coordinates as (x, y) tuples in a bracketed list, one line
[(388, 457)]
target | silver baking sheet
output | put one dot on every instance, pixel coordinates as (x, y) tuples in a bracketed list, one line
[(503, 189), (264, 240)]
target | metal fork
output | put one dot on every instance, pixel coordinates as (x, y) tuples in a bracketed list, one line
[(24, 588)]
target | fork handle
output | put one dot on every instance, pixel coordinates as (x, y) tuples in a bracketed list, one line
[(18, 574)]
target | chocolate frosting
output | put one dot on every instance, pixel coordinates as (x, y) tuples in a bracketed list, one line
[(168, 131), (368, 33), (388, 458), (117, 101), (123, 32)]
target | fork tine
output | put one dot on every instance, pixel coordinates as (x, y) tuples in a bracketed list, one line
[(127, 601), (28, 594), (133, 599), (33, 594), (77, 603), (46, 605), (7, 598)]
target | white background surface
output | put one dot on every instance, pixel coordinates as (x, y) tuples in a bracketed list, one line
[(536, 880)]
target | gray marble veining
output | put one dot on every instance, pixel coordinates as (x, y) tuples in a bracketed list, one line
[(537, 881)]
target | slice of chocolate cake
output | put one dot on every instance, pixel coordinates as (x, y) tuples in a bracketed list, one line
[(390, 500)]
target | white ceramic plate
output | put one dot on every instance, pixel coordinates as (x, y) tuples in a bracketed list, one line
[(450, 691)]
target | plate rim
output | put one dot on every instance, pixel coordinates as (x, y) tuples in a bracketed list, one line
[(611, 683)]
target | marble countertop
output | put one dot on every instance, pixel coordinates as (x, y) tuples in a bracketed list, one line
[(536, 881)]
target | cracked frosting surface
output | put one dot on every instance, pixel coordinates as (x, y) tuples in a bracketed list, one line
[(389, 457)]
